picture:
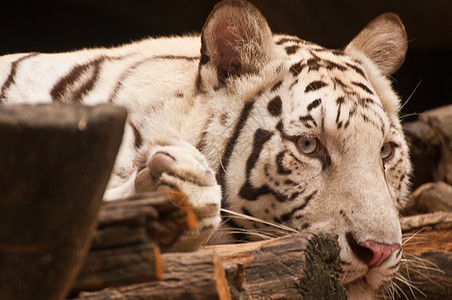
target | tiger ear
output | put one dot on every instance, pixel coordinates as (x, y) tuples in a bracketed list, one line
[(384, 41), (235, 40)]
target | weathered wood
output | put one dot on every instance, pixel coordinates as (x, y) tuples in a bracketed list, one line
[(197, 275), (429, 274), (123, 249), (121, 266), (430, 139), (299, 266), (430, 197), (427, 261), (426, 222), (55, 162), (159, 216)]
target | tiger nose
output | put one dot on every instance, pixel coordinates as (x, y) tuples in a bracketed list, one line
[(372, 253), (379, 252)]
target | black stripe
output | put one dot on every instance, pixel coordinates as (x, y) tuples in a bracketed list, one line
[(357, 69), (276, 86), (363, 87), (274, 107), (290, 182), (72, 87), (337, 81), (138, 138), (12, 74), (351, 114), (287, 216), (246, 212), (294, 195), (366, 101), (296, 68), (250, 193), (315, 85), (332, 65), (339, 102), (307, 119), (314, 104), (279, 164), (293, 83), (189, 58), (247, 108), (202, 137), (314, 64), (261, 136), (247, 191), (292, 49)]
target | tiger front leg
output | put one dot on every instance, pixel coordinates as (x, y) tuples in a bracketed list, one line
[(163, 165)]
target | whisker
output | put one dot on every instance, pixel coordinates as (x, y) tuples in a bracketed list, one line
[(411, 236), (410, 286), (280, 226), (404, 116), (411, 95)]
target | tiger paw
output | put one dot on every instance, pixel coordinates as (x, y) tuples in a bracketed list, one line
[(183, 168)]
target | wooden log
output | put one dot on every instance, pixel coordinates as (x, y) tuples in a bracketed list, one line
[(197, 275), (429, 274), (427, 232), (299, 266), (430, 139), (430, 197), (55, 162), (123, 250), (427, 263), (160, 217), (121, 266)]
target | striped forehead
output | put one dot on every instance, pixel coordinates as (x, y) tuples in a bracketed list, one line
[(327, 90)]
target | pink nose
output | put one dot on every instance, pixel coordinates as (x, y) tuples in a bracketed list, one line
[(379, 252)]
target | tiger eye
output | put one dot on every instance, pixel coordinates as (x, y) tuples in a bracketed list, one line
[(386, 151), (307, 145)]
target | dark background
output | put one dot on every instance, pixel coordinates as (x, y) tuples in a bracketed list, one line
[(52, 25)]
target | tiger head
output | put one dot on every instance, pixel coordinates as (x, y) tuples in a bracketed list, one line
[(316, 143)]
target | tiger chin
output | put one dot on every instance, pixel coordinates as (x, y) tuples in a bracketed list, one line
[(266, 125)]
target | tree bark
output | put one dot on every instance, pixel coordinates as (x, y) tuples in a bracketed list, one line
[(55, 162), (299, 266)]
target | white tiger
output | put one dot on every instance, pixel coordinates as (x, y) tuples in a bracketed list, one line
[(270, 126)]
